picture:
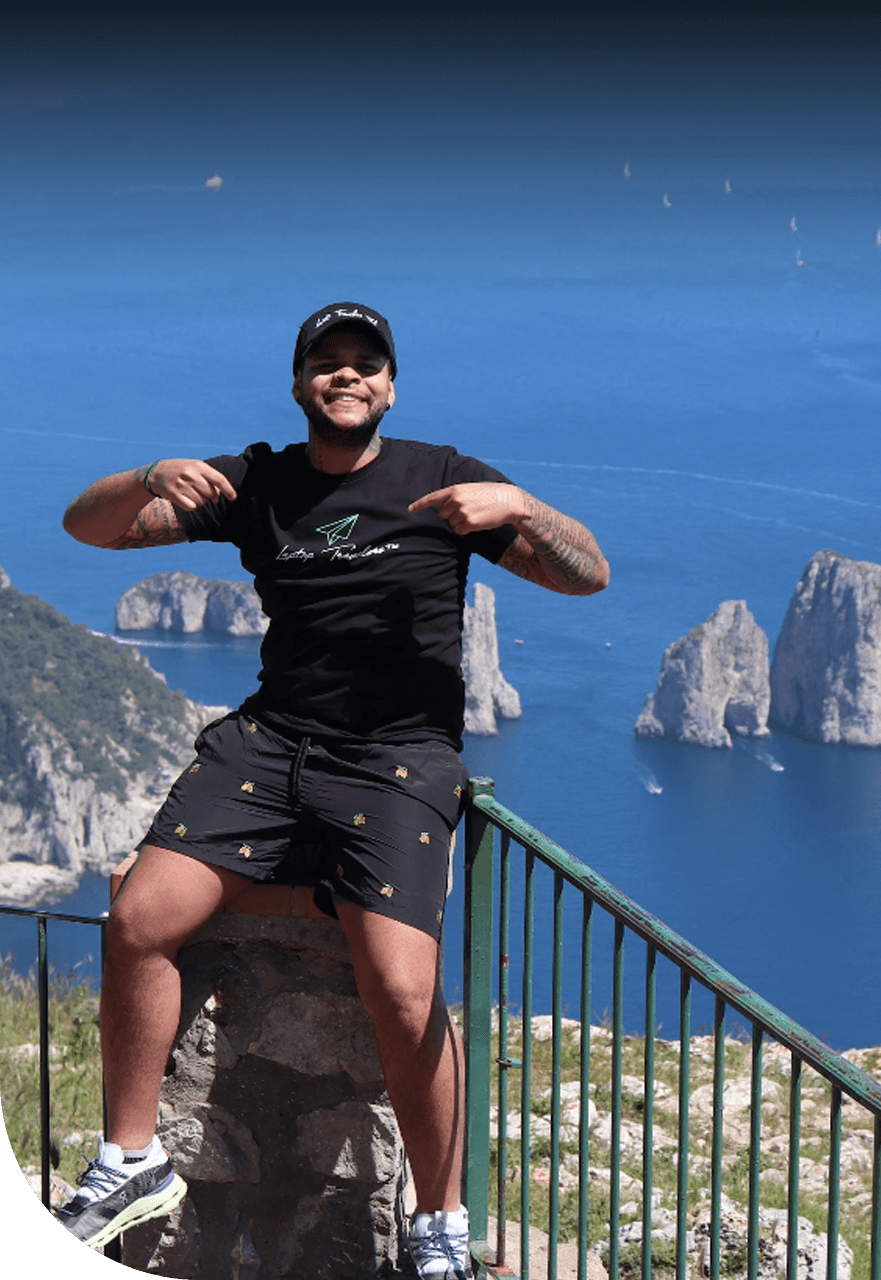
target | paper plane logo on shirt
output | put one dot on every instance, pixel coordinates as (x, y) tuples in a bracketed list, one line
[(338, 531)]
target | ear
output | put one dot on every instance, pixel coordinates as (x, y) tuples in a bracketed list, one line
[(296, 388), (391, 394)]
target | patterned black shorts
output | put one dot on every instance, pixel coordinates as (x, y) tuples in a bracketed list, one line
[(360, 822)]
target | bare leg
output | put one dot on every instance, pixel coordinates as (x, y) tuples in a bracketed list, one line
[(396, 967), (165, 900)]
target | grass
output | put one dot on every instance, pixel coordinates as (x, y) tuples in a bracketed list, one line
[(75, 1069), (854, 1223), (76, 1112)]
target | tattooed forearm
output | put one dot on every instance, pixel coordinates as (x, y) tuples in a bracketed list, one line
[(156, 525), (556, 551)]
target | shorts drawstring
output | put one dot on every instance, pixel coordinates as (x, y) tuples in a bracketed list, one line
[(297, 769)]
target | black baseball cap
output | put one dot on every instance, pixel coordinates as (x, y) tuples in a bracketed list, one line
[(348, 313)]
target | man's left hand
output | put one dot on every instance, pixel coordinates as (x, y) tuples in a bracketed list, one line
[(471, 507)]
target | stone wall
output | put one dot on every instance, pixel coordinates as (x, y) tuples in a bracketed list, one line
[(274, 1110)]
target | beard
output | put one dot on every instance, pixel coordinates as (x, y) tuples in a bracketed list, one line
[(336, 437)]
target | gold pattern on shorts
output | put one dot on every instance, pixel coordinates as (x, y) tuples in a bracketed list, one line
[(440, 917), (424, 837), (249, 787), (246, 851), (339, 869), (457, 791), (180, 829), (194, 768), (359, 819), (402, 771), (251, 728), (387, 890)]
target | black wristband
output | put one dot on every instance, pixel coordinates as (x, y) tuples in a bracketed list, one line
[(147, 476)]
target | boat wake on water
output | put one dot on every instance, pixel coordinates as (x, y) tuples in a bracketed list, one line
[(154, 644), (764, 757), (650, 782)]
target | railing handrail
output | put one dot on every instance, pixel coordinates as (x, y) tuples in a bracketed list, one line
[(37, 913), (847, 1075)]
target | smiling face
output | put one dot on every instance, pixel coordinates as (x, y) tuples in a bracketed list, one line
[(344, 385)]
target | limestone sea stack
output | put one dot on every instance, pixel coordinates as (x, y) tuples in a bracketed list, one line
[(713, 683), (180, 601), (826, 674), (487, 692)]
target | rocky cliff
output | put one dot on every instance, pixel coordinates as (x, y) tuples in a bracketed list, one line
[(90, 740), (487, 692), (826, 674), (183, 602), (713, 682), (180, 601)]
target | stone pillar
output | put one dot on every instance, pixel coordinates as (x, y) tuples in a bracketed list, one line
[(274, 1109)]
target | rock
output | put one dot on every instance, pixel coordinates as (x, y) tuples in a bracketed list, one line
[(287, 1141), (826, 674), (90, 742), (180, 601), (713, 682), (5, 580), (812, 1245), (487, 692)]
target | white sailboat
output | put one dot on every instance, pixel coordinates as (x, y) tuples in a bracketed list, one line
[(793, 225), (799, 260), (727, 187), (627, 170), (667, 202)]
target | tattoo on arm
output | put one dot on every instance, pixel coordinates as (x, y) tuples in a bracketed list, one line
[(557, 552), (156, 525)]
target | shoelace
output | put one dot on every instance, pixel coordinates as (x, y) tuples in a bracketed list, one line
[(100, 1178), (444, 1245)]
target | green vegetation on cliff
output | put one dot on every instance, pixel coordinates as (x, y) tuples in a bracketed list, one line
[(96, 702)]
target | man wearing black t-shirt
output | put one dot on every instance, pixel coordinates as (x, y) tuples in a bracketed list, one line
[(359, 547)]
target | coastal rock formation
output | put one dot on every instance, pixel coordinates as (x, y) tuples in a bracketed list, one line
[(180, 601), (713, 682), (90, 741), (4, 578), (826, 674), (487, 692)]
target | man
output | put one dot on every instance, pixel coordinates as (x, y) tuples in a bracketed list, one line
[(359, 547)]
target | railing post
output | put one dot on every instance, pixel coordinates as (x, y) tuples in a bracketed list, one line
[(479, 840), (43, 987)]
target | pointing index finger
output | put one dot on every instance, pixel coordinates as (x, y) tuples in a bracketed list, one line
[(433, 499)]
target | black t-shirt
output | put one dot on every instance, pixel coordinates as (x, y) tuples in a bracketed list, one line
[(364, 600)]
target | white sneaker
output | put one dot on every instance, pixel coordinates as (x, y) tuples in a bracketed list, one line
[(438, 1244), (117, 1192)]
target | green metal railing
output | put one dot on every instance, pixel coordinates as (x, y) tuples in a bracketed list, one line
[(491, 830), (42, 918)]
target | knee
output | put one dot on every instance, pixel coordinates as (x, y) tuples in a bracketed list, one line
[(133, 934), (405, 999)]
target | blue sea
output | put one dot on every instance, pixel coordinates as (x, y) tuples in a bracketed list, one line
[(685, 358)]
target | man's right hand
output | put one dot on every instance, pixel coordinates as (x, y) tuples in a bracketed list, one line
[(119, 512), (187, 482)]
